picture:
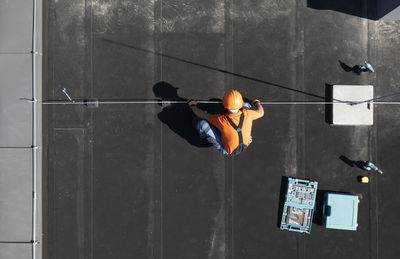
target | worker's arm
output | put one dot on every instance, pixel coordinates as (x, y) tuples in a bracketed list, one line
[(199, 113), (259, 109)]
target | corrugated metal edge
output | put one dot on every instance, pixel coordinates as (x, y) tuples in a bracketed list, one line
[(37, 128)]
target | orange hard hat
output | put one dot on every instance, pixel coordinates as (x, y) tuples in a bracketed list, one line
[(232, 100)]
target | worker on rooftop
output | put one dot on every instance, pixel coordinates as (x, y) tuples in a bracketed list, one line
[(230, 133)]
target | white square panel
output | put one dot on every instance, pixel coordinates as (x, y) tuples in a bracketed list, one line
[(343, 113)]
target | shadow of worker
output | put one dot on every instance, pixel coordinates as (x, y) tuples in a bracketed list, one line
[(177, 116)]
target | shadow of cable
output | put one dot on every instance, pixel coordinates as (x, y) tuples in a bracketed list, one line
[(213, 68)]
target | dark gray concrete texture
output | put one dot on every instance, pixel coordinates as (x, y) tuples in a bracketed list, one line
[(127, 191), (135, 181), (387, 138), (263, 52), (16, 251), (16, 26), (16, 195), (195, 186), (69, 192), (324, 144), (15, 111)]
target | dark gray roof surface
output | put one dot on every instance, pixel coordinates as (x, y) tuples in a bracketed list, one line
[(135, 181)]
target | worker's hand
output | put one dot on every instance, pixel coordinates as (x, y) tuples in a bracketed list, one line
[(254, 102), (192, 103)]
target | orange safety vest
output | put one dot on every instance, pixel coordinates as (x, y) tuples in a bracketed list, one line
[(235, 133)]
